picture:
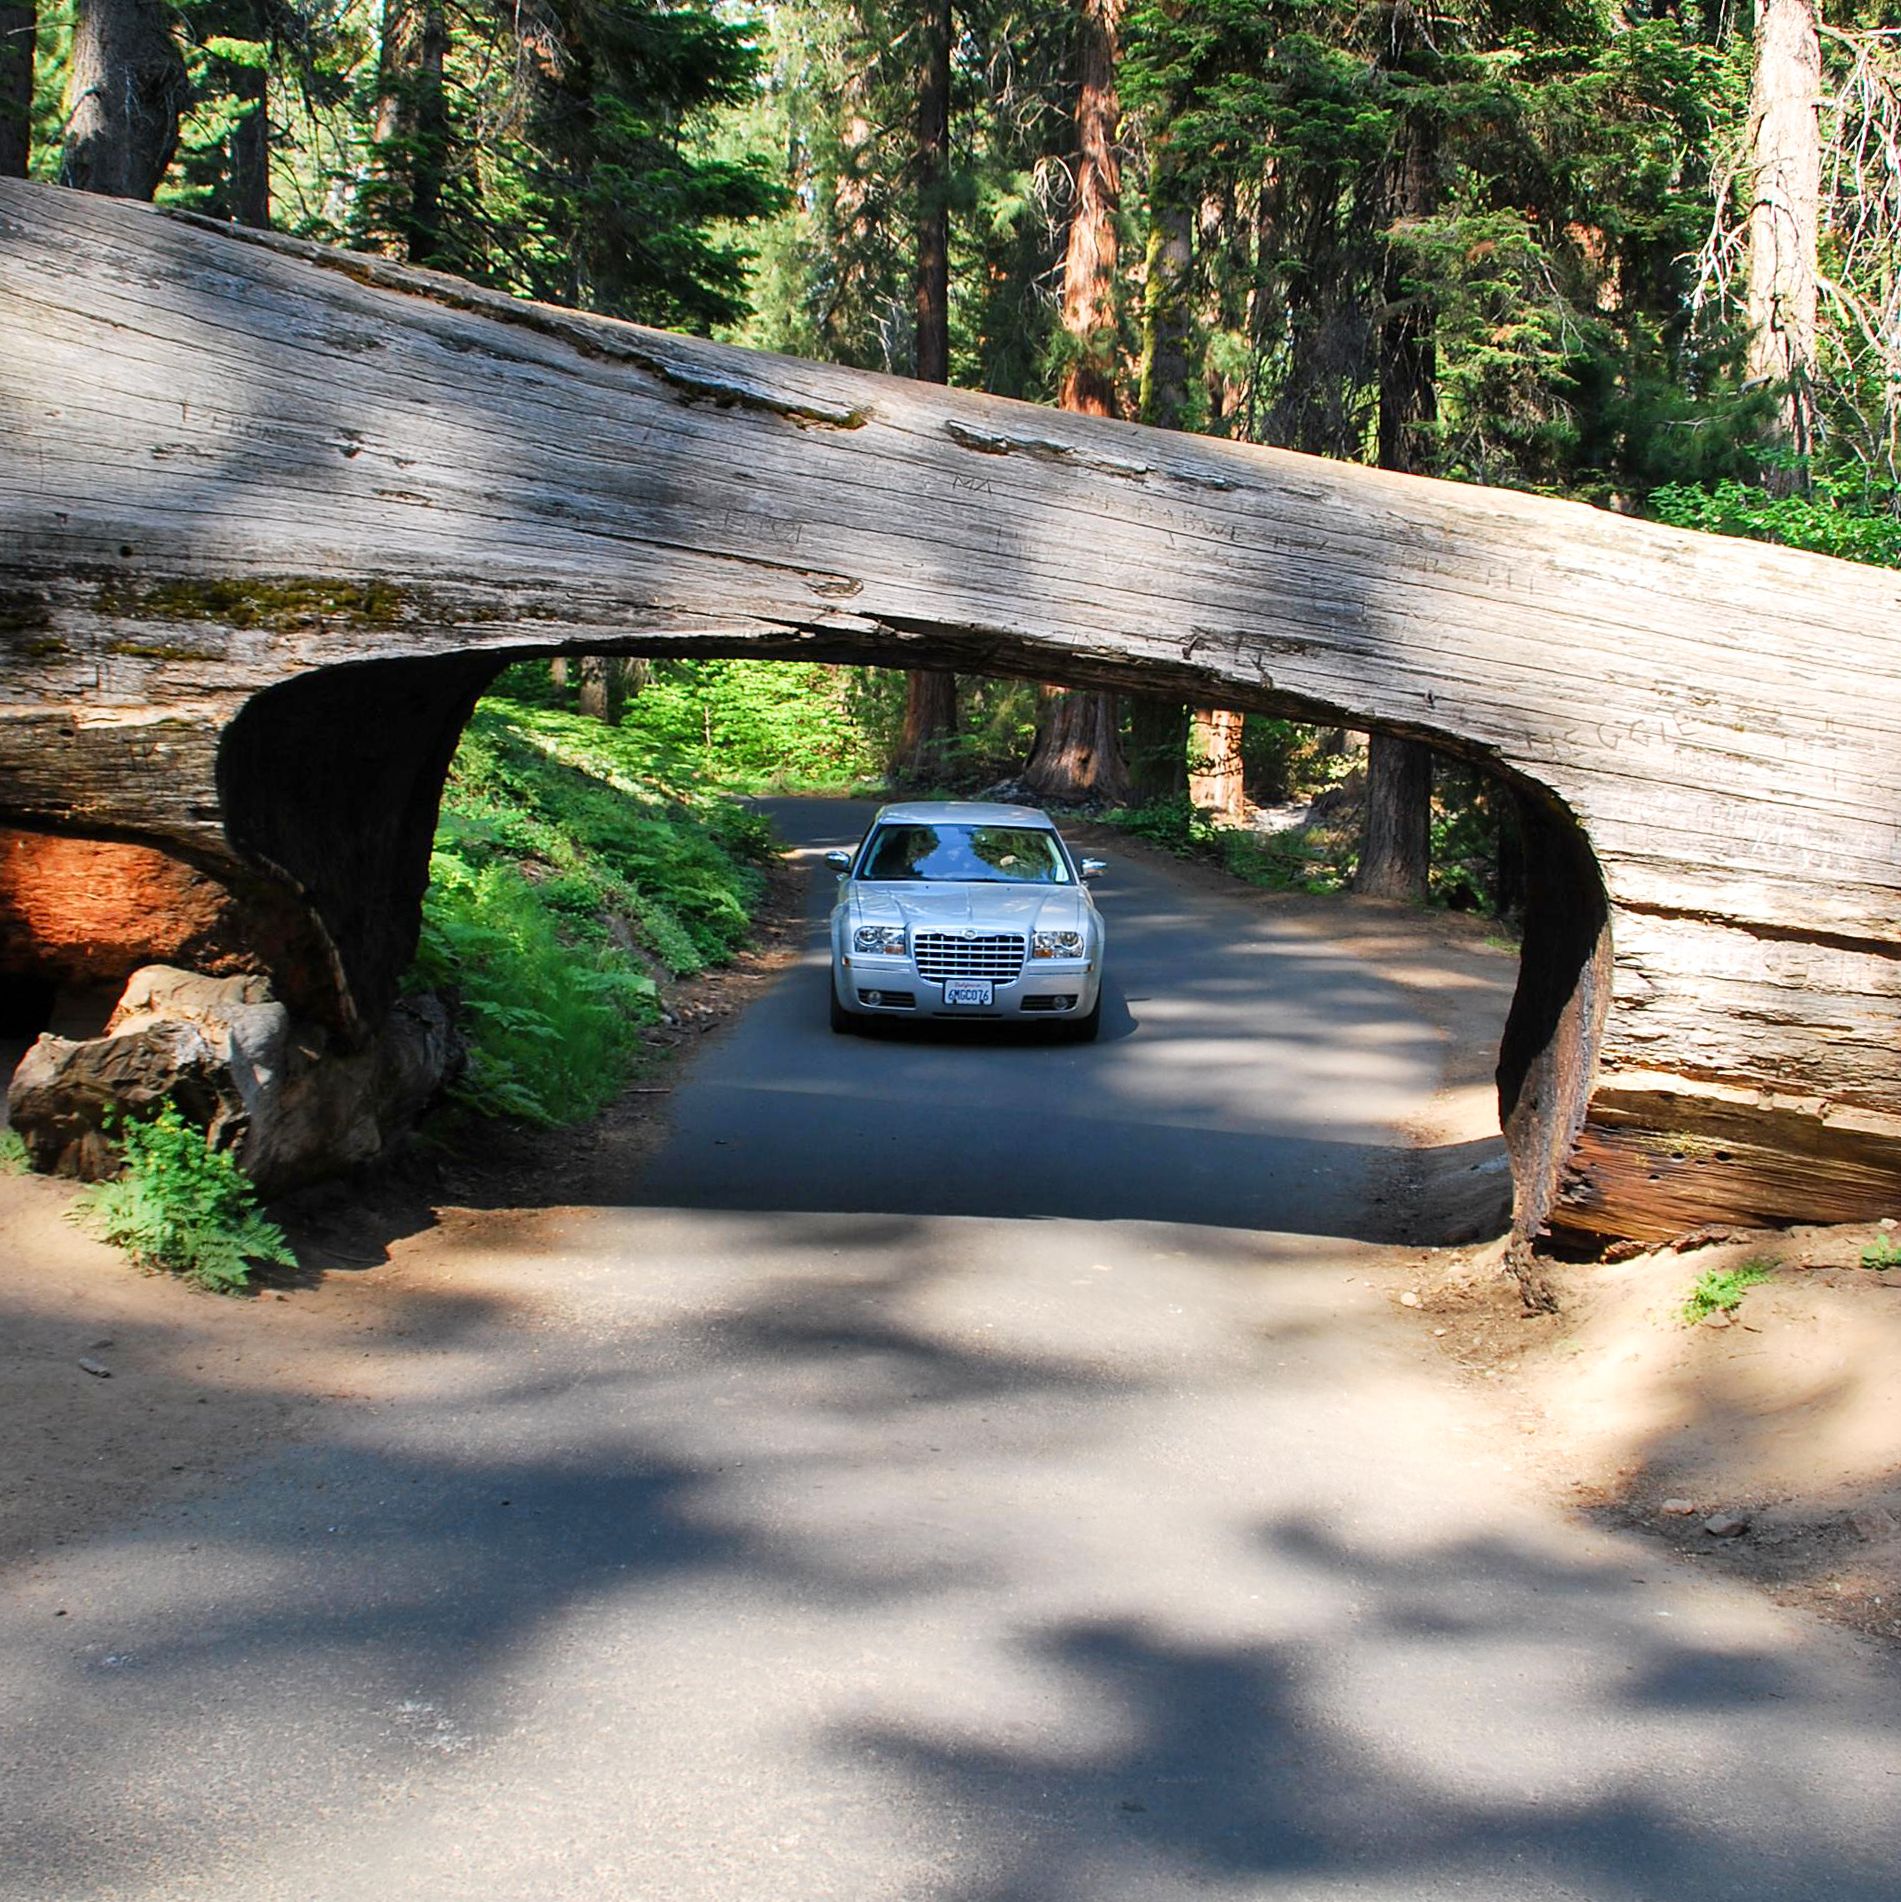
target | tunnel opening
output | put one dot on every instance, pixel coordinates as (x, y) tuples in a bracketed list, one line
[(331, 786)]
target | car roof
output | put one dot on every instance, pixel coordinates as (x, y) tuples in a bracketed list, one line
[(970, 812)]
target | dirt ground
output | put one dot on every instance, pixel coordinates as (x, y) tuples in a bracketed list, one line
[(119, 1390)]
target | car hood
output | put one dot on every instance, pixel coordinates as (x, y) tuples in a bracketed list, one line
[(971, 907)]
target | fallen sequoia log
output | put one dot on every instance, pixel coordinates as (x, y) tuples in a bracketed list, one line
[(273, 515)]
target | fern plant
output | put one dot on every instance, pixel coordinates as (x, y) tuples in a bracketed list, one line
[(182, 1207)]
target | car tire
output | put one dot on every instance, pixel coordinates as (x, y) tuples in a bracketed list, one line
[(1084, 1029), (843, 1021)]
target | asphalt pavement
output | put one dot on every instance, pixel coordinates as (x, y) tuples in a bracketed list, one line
[(959, 1472), (1249, 1074)]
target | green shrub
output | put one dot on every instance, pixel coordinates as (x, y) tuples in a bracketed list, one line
[(1722, 1288), (1882, 1253), (551, 1024), (1841, 513), (182, 1207), (1303, 859), (567, 870), (13, 1156)]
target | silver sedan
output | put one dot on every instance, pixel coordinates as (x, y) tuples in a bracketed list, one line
[(950, 908)]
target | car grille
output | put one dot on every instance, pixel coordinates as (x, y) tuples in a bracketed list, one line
[(942, 954)]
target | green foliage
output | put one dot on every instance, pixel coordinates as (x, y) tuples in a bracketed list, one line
[(564, 874), (552, 1025), (1721, 1290), (1883, 1253), (1842, 513), (13, 1156), (181, 1207), (1304, 859)]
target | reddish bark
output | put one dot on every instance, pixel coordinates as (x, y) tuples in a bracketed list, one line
[(1078, 750), (1214, 770), (1089, 262)]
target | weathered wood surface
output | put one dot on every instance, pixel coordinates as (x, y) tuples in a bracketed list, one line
[(231, 468)]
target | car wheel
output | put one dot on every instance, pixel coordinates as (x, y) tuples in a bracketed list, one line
[(1084, 1029), (842, 1020)]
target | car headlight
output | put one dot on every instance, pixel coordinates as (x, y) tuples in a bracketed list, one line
[(879, 940), (1057, 944)]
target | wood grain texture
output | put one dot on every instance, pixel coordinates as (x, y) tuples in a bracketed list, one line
[(232, 463)]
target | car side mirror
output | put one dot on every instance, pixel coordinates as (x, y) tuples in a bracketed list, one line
[(1094, 868), (838, 861)]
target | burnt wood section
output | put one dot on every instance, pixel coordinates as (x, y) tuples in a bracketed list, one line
[(270, 515)]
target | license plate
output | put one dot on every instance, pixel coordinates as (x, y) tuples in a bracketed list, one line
[(967, 990)]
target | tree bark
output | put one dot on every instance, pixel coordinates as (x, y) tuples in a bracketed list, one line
[(1089, 261), (1166, 310), (1396, 845), (933, 195), (125, 88), (1785, 219), (930, 725), (1077, 757), (412, 128), (19, 27), (251, 141), (1214, 770), (599, 697)]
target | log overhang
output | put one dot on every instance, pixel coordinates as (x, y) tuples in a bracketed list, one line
[(271, 515)]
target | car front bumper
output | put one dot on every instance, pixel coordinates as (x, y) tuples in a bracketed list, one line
[(1048, 992)]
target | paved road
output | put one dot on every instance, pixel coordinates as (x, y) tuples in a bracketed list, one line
[(1250, 1074), (793, 1534)]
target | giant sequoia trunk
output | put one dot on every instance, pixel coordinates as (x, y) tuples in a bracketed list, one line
[(1216, 783), (930, 726), (125, 88), (1396, 841), (19, 25), (1785, 181), (243, 627), (1077, 758), (599, 694), (1089, 260)]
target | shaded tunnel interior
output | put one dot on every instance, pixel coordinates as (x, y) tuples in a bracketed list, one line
[(330, 786)]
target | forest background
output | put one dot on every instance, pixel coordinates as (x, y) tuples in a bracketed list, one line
[(1640, 253)]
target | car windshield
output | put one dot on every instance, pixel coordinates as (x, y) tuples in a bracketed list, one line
[(965, 854)]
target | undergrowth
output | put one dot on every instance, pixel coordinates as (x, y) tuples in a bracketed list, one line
[(567, 878), (1304, 859), (181, 1207), (1722, 1289), (13, 1156), (1883, 1253)]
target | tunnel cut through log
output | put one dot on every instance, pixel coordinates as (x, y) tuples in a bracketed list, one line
[(236, 467)]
